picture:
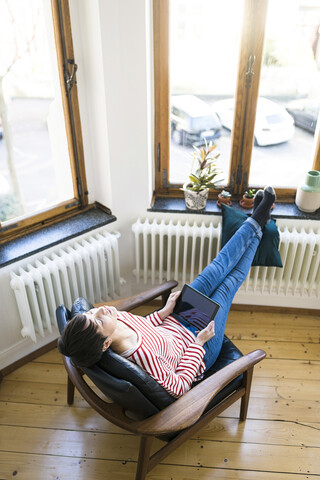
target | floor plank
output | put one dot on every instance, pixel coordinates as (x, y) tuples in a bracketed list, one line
[(210, 454), (55, 417), (40, 373), (224, 429), (50, 394), (37, 393), (50, 357), (283, 350), (39, 467), (291, 410)]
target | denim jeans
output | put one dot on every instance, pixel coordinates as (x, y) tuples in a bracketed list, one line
[(221, 279)]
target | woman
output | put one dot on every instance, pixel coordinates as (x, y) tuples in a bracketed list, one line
[(171, 351)]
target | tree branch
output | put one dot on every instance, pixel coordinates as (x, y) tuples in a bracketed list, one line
[(28, 42)]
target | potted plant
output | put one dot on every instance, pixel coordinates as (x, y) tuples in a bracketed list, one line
[(247, 199), (204, 177), (224, 197)]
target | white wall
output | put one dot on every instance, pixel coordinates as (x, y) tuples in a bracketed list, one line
[(112, 50), (113, 53)]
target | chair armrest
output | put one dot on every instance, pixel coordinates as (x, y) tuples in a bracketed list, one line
[(189, 408), (139, 299)]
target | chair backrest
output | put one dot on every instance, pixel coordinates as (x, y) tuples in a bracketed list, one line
[(122, 381)]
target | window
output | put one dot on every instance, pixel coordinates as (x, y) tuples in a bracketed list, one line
[(42, 175), (245, 76)]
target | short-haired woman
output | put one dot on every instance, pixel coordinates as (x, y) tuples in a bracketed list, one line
[(174, 353)]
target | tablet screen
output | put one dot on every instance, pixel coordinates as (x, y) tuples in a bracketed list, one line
[(195, 308)]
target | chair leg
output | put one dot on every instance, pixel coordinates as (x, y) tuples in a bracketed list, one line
[(247, 380), (70, 392), (144, 456)]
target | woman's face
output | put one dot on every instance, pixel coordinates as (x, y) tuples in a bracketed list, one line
[(105, 318)]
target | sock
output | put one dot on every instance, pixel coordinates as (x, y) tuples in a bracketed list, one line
[(257, 199), (261, 214)]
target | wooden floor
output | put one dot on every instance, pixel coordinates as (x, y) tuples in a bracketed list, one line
[(42, 438)]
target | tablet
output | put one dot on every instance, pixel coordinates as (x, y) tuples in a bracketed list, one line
[(195, 308)]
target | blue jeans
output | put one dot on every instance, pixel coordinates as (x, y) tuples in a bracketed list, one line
[(222, 278)]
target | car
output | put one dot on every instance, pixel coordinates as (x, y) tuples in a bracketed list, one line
[(273, 123), (305, 113), (192, 121)]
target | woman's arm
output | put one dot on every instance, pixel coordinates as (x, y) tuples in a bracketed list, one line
[(156, 318), (179, 381), (169, 306)]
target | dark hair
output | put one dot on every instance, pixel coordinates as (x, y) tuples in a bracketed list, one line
[(81, 341)]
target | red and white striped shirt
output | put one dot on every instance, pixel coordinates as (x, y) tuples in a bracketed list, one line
[(166, 350)]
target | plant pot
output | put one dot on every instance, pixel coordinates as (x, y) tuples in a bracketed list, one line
[(246, 202), (225, 200), (196, 201)]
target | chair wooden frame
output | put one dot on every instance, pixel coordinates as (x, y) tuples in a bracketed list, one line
[(185, 415)]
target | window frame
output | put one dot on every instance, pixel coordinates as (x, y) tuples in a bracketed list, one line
[(68, 84), (246, 95)]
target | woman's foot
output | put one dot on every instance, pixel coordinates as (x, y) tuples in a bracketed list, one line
[(262, 207), (257, 199)]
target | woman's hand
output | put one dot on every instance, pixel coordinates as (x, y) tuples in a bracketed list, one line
[(205, 334), (169, 306)]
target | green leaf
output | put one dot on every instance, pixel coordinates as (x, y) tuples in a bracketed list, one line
[(194, 179)]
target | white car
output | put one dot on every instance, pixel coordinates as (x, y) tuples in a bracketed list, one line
[(273, 123), (192, 121)]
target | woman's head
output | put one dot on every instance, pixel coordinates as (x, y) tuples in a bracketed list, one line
[(86, 336)]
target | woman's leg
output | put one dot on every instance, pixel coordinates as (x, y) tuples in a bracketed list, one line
[(228, 257), (224, 295), (222, 278)]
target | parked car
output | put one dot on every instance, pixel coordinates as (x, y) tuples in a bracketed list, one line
[(192, 121), (273, 123), (305, 113)]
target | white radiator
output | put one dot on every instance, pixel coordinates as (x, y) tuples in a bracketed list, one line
[(88, 268), (165, 250)]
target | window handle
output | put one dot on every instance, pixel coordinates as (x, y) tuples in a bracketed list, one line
[(70, 79), (250, 72)]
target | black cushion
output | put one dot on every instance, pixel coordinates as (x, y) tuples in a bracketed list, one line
[(63, 315), (228, 354), (122, 368), (80, 305), (267, 254), (122, 392)]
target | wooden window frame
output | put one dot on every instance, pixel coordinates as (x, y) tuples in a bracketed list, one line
[(67, 77), (247, 91)]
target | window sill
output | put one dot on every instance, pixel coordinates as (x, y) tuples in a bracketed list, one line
[(52, 235), (281, 210)]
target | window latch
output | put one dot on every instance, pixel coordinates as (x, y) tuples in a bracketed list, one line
[(70, 80)]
